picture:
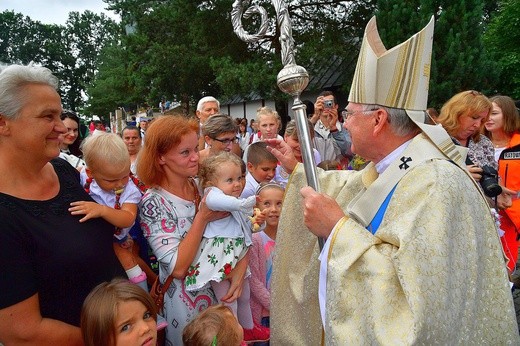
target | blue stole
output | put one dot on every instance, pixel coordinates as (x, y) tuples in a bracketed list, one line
[(376, 221)]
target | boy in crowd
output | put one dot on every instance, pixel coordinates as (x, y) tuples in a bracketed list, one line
[(261, 167)]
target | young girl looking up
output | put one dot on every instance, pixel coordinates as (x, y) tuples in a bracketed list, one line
[(118, 313), (106, 180), (269, 201), (225, 241)]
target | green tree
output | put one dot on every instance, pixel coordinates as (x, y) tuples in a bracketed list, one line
[(111, 88), (14, 30), (459, 61), (196, 52), (70, 51), (176, 60), (85, 36), (23, 40), (502, 40)]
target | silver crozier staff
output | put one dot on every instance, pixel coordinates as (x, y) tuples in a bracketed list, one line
[(292, 79)]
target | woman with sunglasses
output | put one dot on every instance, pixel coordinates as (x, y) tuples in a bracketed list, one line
[(463, 117), (220, 134)]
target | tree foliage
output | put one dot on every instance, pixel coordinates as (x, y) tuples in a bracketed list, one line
[(174, 42), (196, 53), (502, 40), (186, 49), (70, 51), (23, 40), (85, 36), (459, 61), (111, 87)]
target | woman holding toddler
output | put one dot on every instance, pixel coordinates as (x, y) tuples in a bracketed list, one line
[(172, 220)]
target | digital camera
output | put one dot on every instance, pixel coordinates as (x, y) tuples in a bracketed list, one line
[(489, 180), (328, 103)]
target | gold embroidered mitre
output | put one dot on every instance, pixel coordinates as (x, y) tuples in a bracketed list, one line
[(399, 78), (396, 78)]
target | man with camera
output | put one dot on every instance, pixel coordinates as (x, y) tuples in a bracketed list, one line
[(331, 141)]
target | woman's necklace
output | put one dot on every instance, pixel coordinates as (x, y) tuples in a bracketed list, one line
[(501, 143)]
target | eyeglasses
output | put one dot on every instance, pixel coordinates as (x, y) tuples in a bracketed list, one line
[(226, 141), (346, 114)]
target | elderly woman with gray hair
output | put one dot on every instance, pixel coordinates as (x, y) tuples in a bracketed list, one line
[(220, 134), (50, 260)]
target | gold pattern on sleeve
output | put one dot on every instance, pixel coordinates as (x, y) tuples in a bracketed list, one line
[(335, 232)]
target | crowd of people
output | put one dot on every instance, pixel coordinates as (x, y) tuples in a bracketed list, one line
[(420, 241)]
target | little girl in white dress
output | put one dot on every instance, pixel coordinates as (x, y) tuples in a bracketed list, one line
[(227, 240)]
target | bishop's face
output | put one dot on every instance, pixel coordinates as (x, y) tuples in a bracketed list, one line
[(360, 124)]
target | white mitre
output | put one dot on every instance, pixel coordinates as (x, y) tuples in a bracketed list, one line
[(399, 78), (396, 78)]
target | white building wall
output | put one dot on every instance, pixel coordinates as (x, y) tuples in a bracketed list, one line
[(237, 110), (310, 95)]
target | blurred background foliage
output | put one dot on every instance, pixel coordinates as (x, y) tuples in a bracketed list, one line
[(183, 49)]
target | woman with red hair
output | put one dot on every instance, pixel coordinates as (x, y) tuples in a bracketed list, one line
[(172, 220)]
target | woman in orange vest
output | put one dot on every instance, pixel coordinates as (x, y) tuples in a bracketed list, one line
[(503, 128)]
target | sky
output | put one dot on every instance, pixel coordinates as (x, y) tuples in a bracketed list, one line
[(54, 11)]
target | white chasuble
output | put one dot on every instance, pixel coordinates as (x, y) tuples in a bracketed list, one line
[(433, 273)]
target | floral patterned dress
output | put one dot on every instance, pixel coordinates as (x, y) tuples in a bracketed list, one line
[(225, 241), (165, 221), (482, 153)]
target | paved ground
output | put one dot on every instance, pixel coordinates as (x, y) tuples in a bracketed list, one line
[(516, 295), (516, 298)]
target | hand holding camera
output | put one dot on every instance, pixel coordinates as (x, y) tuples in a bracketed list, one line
[(323, 105), (327, 112), (487, 177), (475, 171), (318, 105), (332, 118), (328, 103)]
